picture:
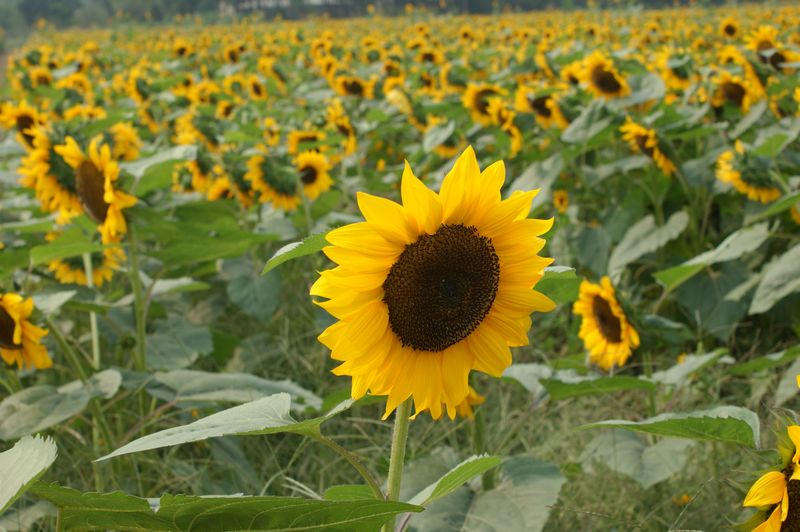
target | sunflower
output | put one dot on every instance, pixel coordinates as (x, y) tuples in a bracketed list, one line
[(739, 91), (794, 212), (272, 183), (96, 174), (561, 200), (602, 78), (272, 132), (24, 118), (543, 106), (645, 141), (431, 289), (571, 73), (20, 340), (747, 173), (312, 167), (464, 409), (71, 270), (729, 28), (126, 142), (676, 68), (354, 86), (298, 140), (53, 182), (764, 42), (258, 90), (778, 490), (477, 98), (605, 330)]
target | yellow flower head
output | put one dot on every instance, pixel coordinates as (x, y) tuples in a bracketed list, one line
[(601, 77), (20, 340), (644, 140), (427, 291), (312, 167), (749, 175), (605, 330)]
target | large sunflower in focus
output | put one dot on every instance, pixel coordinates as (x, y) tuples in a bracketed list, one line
[(605, 330), (20, 340), (95, 178), (429, 290)]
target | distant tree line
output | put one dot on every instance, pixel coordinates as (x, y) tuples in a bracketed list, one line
[(17, 17)]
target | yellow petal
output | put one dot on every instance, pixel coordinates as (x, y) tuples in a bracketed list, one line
[(421, 203), (386, 217), (794, 435), (768, 489), (772, 524)]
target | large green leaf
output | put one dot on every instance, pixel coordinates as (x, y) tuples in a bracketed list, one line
[(12, 260), (643, 238), (257, 295), (560, 284), (22, 464), (117, 510), (766, 362), (729, 424), (176, 153), (781, 205), (38, 407), (184, 386), (778, 281), (307, 246), (566, 385), (628, 454), (745, 240), (269, 415), (176, 343)]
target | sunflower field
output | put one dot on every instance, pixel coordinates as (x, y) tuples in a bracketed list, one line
[(433, 272)]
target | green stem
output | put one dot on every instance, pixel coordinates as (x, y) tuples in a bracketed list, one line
[(398, 455), (353, 460), (138, 303), (648, 371), (479, 447), (87, 265)]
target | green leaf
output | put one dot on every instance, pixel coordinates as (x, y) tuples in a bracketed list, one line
[(118, 510), (749, 119), (591, 122), (22, 464), (678, 373), (257, 295), (766, 362), (729, 424), (627, 454), (455, 478), (177, 343), (783, 204), (71, 243), (12, 260), (560, 284), (778, 281), (192, 386), (745, 240), (787, 386), (349, 492), (522, 500), (37, 408), (24, 519), (437, 135), (269, 415), (529, 376), (643, 238), (176, 153), (576, 386), (48, 303), (307, 246)]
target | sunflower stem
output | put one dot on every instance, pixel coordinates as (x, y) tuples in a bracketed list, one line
[(398, 455), (87, 266), (353, 460), (138, 302), (648, 371)]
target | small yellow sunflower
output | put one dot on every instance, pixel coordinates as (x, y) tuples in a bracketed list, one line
[(96, 173), (544, 107), (477, 98), (312, 167), (427, 291), (126, 142), (354, 86), (777, 491), (602, 78), (561, 200), (273, 183), (729, 28), (272, 132), (299, 140), (748, 174), (605, 330), (71, 270), (464, 409), (739, 91), (645, 141), (24, 118), (20, 340)]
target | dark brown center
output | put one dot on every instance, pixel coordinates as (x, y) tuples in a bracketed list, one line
[(604, 80), (730, 30), (90, 185), (354, 87), (792, 521), (24, 122), (308, 175), (606, 320), (441, 288), (7, 327), (482, 100), (540, 106), (733, 92), (641, 141)]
